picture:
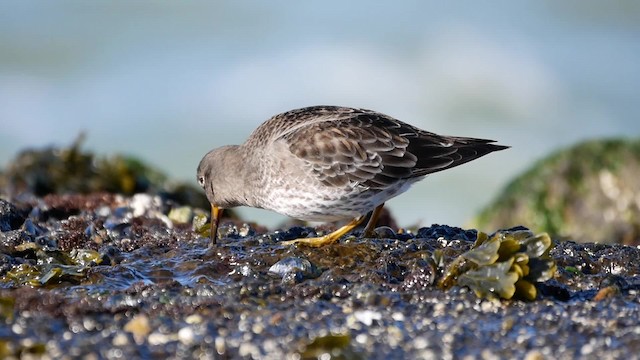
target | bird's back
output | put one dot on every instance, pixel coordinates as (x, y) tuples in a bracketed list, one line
[(345, 146), (293, 120)]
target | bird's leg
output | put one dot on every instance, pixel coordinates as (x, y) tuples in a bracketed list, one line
[(373, 220), (216, 214), (329, 238)]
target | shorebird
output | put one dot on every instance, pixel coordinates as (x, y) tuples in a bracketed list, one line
[(329, 163)]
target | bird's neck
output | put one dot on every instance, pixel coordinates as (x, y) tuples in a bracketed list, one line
[(238, 177)]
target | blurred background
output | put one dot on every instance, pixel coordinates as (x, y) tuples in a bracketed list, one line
[(168, 81)]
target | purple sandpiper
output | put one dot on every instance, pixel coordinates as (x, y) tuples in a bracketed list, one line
[(328, 163)]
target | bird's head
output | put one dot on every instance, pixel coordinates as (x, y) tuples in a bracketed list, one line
[(218, 178)]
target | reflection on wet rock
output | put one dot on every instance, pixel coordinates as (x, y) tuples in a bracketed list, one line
[(10, 217), (86, 273)]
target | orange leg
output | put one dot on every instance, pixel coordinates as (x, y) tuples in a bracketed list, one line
[(334, 236), (329, 238), (216, 214)]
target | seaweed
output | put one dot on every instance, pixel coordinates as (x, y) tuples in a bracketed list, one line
[(505, 265), (51, 266)]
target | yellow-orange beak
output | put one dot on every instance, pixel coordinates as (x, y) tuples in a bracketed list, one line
[(216, 214)]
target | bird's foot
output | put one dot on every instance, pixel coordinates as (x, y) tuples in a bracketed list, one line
[(326, 239), (314, 241), (369, 231)]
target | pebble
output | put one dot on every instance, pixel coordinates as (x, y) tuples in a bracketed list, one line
[(194, 319), (181, 215), (367, 317), (385, 232), (420, 343), (290, 264), (220, 346), (397, 316), (157, 338), (139, 327), (534, 355), (141, 203), (120, 339), (186, 335)]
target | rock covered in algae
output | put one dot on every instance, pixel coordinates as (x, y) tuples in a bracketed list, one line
[(588, 192), (108, 276), (62, 170)]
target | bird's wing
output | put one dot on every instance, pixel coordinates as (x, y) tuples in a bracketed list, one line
[(361, 147)]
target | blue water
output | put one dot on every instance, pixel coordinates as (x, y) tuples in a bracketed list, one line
[(169, 81)]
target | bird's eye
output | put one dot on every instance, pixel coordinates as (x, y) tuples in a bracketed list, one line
[(201, 181)]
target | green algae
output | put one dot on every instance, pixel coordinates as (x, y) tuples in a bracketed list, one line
[(201, 225), (14, 350), (62, 170), (336, 346), (7, 305), (52, 266), (585, 192)]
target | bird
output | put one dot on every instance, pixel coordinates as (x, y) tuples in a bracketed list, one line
[(328, 163)]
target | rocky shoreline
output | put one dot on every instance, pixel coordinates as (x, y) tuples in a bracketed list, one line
[(140, 282)]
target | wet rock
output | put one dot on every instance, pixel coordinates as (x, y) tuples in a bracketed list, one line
[(447, 232), (587, 193), (200, 224), (10, 239), (246, 230), (293, 233), (10, 217), (294, 270), (144, 289), (385, 232), (7, 262), (33, 229), (228, 230), (111, 255)]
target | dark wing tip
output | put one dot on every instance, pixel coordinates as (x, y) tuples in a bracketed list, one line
[(434, 156), (496, 147)]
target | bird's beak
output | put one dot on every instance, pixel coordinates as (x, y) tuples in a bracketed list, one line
[(216, 213)]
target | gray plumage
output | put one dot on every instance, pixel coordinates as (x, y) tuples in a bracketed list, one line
[(326, 163)]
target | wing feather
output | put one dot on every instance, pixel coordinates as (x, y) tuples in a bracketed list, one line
[(351, 147)]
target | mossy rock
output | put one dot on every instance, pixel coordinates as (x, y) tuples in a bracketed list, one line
[(588, 192), (69, 170)]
